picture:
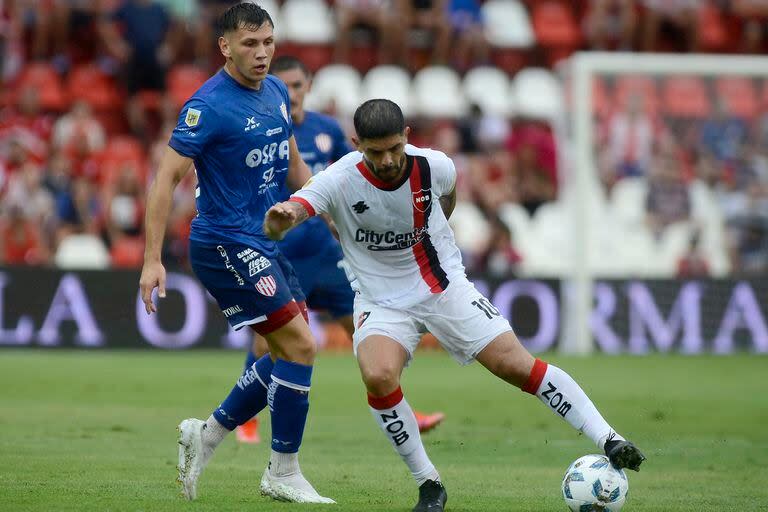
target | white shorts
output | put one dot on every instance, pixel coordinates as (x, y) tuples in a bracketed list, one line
[(461, 318)]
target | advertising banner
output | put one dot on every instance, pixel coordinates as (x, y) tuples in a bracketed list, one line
[(102, 309)]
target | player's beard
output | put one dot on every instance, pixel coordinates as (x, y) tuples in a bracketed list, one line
[(388, 173)]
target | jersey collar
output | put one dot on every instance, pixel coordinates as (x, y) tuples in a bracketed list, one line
[(383, 185)]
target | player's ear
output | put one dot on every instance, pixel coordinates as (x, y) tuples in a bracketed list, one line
[(406, 132), (356, 142), (224, 47)]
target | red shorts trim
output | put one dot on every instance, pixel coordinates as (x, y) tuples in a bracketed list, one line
[(386, 402), (277, 319)]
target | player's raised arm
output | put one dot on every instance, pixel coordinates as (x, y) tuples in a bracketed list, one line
[(282, 217), (298, 171), (173, 167)]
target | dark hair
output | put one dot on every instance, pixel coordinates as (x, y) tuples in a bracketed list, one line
[(247, 14), (286, 63), (378, 118)]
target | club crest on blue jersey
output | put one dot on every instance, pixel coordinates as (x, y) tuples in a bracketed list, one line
[(193, 117)]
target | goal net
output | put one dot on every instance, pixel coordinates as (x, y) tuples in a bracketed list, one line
[(664, 169)]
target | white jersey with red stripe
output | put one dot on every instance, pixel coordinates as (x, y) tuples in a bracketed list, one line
[(395, 237)]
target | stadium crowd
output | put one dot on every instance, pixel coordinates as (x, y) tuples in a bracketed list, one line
[(91, 90)]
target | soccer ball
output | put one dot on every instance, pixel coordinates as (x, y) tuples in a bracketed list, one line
[(593, 484)]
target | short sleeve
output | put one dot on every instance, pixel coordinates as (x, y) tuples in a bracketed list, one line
[(196, 128), (445, 178), (318, 193)]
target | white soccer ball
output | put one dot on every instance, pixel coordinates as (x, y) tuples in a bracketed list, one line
[(593, 484)]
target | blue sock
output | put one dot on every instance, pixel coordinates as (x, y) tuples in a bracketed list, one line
[(248, 397), (250, 358), (289, 403)]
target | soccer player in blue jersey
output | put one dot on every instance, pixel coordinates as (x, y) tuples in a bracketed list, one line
[(237, 131), (311, 248)]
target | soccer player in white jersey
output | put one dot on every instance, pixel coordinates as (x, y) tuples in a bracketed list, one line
[(390, 202)]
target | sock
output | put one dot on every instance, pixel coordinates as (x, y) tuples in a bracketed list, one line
[(214, 432), (248, 397), (397, 421), (288, 398), (565, 398), (284, 464), (250, 358)]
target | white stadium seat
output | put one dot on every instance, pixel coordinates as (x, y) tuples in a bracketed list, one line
[(82, 252), (489, 88), (273, 8), (507, 24), (537, 94), (437, 92), (336, 83), (628, 200), (307, 21), (389, 82)]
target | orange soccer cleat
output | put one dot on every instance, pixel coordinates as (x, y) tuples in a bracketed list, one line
[(248, 432), (428, 421)]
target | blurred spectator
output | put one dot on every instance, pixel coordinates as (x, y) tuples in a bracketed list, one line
[(124, 205), (27, 195), (678, 16), (78, 131), (137, 33), (425, 15), (693, 264), (500, 258), (533, 146), (21, 240), (668, 199), (747, 222), (630, 140), (72, 21), (470, 47), (722, 135), (78, 209), (27, 125), (376, 15), (494, 180), (610, 24), (754, 16)]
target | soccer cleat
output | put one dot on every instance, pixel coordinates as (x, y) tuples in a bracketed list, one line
[(293, 488), (623, 454), (248, 432), (432, 497), (193, 455), (427, 422)]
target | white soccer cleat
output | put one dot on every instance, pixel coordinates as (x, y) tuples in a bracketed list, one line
[(193, 455), (294, 488)]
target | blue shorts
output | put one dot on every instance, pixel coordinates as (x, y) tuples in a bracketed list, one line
[(324, 283), (251, 289)]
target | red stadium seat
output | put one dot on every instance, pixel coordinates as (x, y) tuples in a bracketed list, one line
[(124, 148), (686, 96), (739, 95), (555, 26), (714, 36), (127, 252), (644, 86), (44, 78), (183, 82), (89, 83)]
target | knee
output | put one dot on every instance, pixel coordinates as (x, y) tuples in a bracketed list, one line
[(380, 380)]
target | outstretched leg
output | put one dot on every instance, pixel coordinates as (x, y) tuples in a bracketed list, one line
[(506, 358)]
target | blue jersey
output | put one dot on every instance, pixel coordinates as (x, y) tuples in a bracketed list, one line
[(321, 142), (238, 139)]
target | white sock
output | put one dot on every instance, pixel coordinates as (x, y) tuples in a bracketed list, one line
[(284, 464), (566, 399), (397, 421), (213, 433)]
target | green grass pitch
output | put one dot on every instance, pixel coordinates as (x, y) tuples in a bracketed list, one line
[(96, 431)]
